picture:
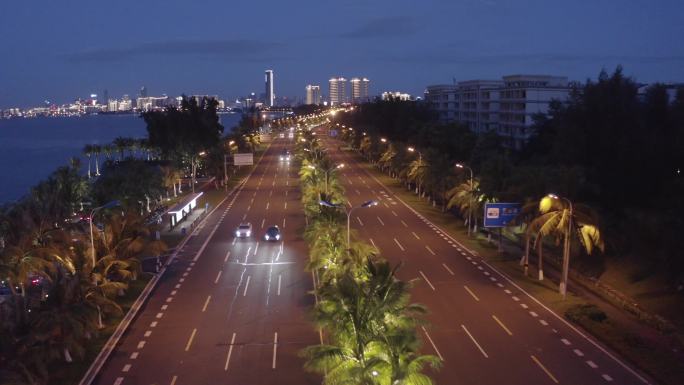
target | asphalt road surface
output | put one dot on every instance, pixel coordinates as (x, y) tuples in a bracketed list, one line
[(229, 311), (485, 328)]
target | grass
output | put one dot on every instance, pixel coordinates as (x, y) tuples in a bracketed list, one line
[(62, 373), (657, 360)]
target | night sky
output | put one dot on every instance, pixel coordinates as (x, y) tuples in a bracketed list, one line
[(60, 50)]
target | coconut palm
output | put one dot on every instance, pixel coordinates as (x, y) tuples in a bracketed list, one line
[(417, 172), (120, 144), (468, 199), (402, 363), (97, 150), (561, 218), (88, 152)]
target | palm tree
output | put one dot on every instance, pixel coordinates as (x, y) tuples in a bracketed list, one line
[(97, 150), (562, 218), (88, 151), (120, 144), (403, 365), (468, 199), (416, 172)]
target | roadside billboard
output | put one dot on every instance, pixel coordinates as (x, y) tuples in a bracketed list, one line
[(246, 159), (500, 214)]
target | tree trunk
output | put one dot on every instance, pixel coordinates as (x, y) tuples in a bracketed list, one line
[(539, 256), (526, 261), (100, 325), (89, 167), (97, 164), (67, 355)]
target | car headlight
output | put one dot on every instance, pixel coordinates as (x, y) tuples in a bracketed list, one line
[(277, 237), (249, 233), (237, 233), (266, 236)]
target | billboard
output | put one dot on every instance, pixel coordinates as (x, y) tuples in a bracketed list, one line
[(246, 159), (500, 214)]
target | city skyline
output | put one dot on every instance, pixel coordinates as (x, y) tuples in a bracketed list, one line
[(397, 45)]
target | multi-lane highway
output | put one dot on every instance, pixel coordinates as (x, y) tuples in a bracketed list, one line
[(485, 328), (229, 311)]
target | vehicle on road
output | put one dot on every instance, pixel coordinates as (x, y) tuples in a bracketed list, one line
[(285, 156), (272, 234), (244, 230)]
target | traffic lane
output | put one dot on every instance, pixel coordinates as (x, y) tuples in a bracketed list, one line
[(588, 367)]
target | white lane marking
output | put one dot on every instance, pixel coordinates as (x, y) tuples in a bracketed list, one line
[(395, 214), (448, 269), (471, 293), (169, 299), (256, 248), (507, 291), (533, 314), (275, 349), (399, 244), (118, 381), (284, 222), (360, 222), (173, 380), (541, 321), (578, 352), (234, 239), (159, 315), (244, 216), (285, 206), (185, 274), (267, 204), (141, 344), (430, 250), (404, 223), (380, 220), (515, 298), (522, 305), (249, 207), (279, 277), (177, 286), (566, 342), (474, 341), (486, 273), (499, 285), (502, 325), (153, 324), (548, 373), (358, 192), (227, 256), (372, 243), (134, 355), (230, 352), (592, 364), (192, 337), (607, 377), (174, 292), (433, 344), (206, 303), (426, 280), (270, 193), (147, 333), (415, 235), (492, 279), (126, 368), (385, 204), (262, 222), (244, 293)]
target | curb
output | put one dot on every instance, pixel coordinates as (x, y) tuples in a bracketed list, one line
[(99, 361)]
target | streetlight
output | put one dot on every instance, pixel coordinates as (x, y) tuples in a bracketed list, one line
[(365, 204), (327, 172), (107, 205), (383, 140), (461, 165), (563, 287)]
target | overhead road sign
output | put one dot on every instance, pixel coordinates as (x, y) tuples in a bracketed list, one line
[(246, 159)]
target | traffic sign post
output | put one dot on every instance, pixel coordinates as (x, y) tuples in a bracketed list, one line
[(499, 215)]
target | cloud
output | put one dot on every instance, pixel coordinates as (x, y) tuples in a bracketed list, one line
[(384, 27), (236, 49)]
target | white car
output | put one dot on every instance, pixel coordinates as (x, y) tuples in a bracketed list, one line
[(244, 230)]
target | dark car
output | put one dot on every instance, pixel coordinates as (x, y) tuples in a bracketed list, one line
[(272, 234)]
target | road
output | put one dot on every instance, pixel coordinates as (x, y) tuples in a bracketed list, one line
[(229, 311), (486, 328)]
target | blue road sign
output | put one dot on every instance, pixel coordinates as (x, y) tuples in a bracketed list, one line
[(332, 133), (500, 214)]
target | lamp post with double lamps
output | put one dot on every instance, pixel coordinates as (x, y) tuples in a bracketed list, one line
[(327, 173), (563, 287), (461, 165), (349, 212)]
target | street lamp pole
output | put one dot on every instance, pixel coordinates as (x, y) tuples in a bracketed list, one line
[(461, 165), (92, 213), (563, 286), (365, 204)]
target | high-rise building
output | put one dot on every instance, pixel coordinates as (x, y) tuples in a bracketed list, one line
[(143, 92), (506, 106), (359, 90), (338, 91), (270, 96), (313, 94)]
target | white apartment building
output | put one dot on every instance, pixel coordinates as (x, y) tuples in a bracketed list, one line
[(506, 106), (313, 94), (395, 95), (338, 91), (359, 90)]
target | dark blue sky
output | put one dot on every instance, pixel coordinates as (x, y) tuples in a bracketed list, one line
[(58, 50)]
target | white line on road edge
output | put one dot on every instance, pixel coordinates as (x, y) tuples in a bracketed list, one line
[(192, 337), (279, 277), (275, 348), (206, 303), (433, 344), (448, 269), (227, 256), (381, 222), (475, 342), (426, 280), (544, 369), (230, 352), (430, 250), (399, 244), (217, 277), (244, 293)]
